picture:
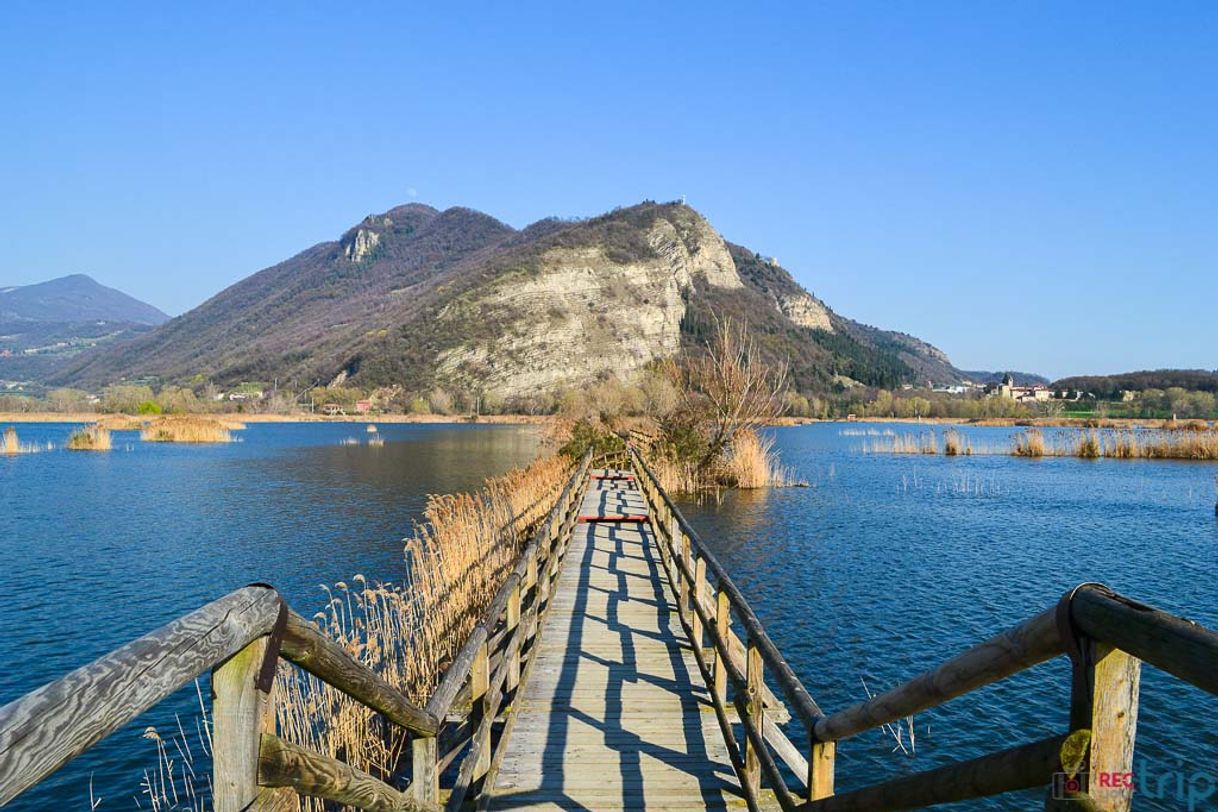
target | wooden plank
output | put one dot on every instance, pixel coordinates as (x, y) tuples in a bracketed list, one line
[(614, 714), (1115, 681), (43, 730)]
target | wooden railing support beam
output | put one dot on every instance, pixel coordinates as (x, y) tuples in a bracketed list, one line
[(240, 715)]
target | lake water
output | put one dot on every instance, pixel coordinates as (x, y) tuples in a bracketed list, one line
[(886, 565), (889, 563), (97, 549)]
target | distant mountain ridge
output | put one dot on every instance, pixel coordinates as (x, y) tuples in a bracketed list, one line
[(75, 298), (44, 326), (418, 298)]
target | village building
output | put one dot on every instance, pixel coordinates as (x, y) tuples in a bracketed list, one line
[(1020, 394)]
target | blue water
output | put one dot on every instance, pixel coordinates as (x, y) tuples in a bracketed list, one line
[(98, 548), (889, 563), (882, 568)]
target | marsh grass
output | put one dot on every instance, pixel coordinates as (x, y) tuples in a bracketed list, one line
[(1030, 443), (11, 444), (956, 444), (922, 443), (456, 560), (752, 462), (90, 438), (186, 429), (1089, 446), (121, 422)]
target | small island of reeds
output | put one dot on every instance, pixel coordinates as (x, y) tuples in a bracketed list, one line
[(187, 429), (90, 438)]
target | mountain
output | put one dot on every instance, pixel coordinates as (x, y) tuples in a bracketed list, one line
[(1020, 378), (44, 326), (419, 298), (74, 299)]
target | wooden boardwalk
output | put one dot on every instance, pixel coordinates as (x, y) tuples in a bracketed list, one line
[(615, 714)]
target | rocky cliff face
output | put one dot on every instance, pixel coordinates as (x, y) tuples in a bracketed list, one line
[(419, 298), (585, 313)]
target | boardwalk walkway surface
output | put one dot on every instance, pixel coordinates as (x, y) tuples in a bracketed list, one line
[(615, 714)]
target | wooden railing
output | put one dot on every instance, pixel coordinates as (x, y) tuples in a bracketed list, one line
[(1106, 636), (240, 639)]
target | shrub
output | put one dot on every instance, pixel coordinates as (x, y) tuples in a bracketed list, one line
[(149, 407), (90, 438)]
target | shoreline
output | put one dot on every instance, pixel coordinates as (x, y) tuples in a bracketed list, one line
[(422, 419)]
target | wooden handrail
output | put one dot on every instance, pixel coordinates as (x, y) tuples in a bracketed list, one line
[(317, 654), (43, 730), (1023, 767), (1106, 634), (282, 764), (1182, 648), (1015, 650), (801, 701)]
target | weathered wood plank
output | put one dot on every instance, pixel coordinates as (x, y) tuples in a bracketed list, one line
[(281, 764), (613, 714), (308, 648), (46, 728)]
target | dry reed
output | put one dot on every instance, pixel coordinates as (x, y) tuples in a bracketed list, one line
[(11, 444), (457, 559), (1029, 443), (924, 443), (753, 463), (90, 438), (121, 422), (955, 443), (186, 429)]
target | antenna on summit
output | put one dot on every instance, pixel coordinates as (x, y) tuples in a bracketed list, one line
[(682, 200)]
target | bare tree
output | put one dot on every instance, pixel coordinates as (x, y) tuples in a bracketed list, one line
[(732, 386)]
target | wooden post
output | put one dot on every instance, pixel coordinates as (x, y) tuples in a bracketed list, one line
[(513, 641), (425, 786), (240, 715), (1111, 713), (820, 770), (755, 720), (683, 597), (723, 621), (695, 620), (479, 687)]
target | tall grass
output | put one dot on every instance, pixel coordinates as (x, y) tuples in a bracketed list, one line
[(753, 463), (924, 443), (90, 438), (955, 443), (456, 561), (11, 444), (1089, 446), (186, 429), (1030, 443)]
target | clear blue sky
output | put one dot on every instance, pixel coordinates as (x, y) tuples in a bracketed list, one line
[(1027, 185)]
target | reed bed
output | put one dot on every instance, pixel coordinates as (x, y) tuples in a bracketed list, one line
[(922, 443), (90, 438), (11, 445), (1030, 443), (956, 444), (753, 463), (456, 560), (121, 422), (186, 429)]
